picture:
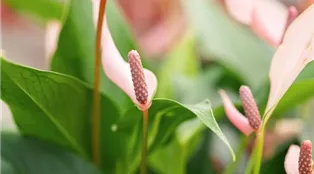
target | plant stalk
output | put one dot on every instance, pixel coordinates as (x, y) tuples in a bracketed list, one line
[(259, 150), (96, 94), (144, 142)]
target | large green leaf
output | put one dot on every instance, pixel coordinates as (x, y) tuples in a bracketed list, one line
[(75, 53), (32, 156), (57, 108), (45, 9), (229, 43), (164, 118)]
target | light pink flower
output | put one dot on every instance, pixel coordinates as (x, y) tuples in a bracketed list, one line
[(118, 71), (295, 52), (292, 159), (267, 18)]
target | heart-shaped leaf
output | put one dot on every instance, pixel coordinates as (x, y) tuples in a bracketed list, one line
[(32, 156), (57, 108)]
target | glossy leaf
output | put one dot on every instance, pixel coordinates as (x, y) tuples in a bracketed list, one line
[(75, 52), (164, 118), (32, 156), (229, 43), (57, 108)]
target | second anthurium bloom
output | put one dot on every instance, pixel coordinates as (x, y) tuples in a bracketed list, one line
[(295, 52), (299, 159)]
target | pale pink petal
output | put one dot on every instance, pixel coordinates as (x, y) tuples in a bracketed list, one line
[(241, 10), (53, 29), (117, 70), (269, 20), (296, 51), (235, 117), (291, 160)]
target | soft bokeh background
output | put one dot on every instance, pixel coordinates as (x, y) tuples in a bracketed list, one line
[(170, 34)]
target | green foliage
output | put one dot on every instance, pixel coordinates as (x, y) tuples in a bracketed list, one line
[(32, 156), (57, 108), (182, 60), (75, 52), (229, 43), (164, 118), (45, 9)]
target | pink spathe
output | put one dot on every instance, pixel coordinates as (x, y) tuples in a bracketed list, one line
[(295, 52), (235, 117), (118, 70)]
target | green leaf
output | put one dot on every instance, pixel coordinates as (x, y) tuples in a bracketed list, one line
[(183, 61), (75, 52), (299, 92), (206, 115), (164, 118), (57, 108), (229, 43), (31, 156), (306, 112), (45, 9), (178, 151)]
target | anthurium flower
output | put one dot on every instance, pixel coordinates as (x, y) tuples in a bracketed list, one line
[(299, 159), (119, 72), (295, 52), (267, 18)]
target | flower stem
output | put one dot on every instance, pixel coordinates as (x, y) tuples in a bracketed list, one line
[(96, 95), (259, 150), (240, 150), (144, 142)]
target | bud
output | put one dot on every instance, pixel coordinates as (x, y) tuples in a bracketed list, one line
[(305, 158), (250, 107), (138, 78)]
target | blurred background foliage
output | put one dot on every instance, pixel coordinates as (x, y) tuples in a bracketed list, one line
[(207, 51)]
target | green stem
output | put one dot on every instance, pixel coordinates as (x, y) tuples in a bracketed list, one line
[(96, 95), (241, 148), (259, 143), (250, 164), (144, 142)]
